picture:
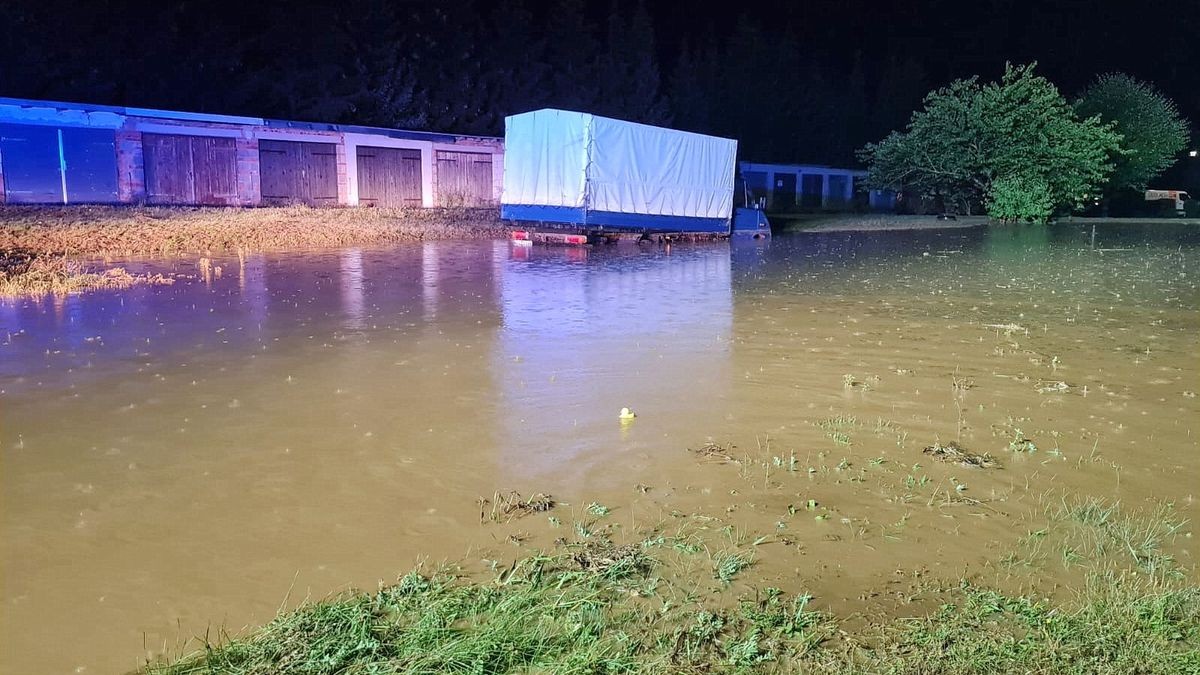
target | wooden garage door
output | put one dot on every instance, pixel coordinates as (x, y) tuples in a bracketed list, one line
[(389, 176), (464, 179), (295, 172), (190, 169)]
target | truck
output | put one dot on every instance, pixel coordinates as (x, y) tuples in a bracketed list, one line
[(1170, 201), (601, 177)]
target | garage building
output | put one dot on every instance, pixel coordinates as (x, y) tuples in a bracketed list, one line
[(70, 153)]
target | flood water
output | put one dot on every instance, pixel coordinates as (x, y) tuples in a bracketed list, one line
[(175, 460)]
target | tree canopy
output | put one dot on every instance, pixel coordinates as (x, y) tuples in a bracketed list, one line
[(971, 137), (1153, 131)]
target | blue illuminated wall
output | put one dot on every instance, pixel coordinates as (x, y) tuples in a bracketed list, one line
[(47, 164)]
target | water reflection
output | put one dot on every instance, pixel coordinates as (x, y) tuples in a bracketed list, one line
[(351, 282), (586, 334)]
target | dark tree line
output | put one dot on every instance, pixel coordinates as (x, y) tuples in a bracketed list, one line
[(452, 66), (793, 82)]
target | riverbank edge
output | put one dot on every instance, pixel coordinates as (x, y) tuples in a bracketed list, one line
[(896, 223), (27, 275), (872, 222), (595, 610), (128, 231), (65, 249)]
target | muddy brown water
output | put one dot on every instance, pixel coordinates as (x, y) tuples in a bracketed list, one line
[(183, 459)]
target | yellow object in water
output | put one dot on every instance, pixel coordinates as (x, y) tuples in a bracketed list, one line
[(626, 414)]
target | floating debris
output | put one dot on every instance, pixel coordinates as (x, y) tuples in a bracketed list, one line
[(605, 557), (955, 453), (1008, 328), (511, 505), (715, 452), (1044, 387)]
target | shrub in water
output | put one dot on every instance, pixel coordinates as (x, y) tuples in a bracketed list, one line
[(1020, 198)]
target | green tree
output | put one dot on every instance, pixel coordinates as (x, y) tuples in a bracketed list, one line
[(969, 135), (1017, 198), (1153, 131)]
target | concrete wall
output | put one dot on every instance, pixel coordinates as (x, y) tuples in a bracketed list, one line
[(828, 199), (129, 125)]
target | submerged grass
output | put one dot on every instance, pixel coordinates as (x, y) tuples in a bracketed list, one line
[(1120, 624), (654, 606), (1094, 529), (603, 609), (23, 274), (1099, 534), (138, 230)]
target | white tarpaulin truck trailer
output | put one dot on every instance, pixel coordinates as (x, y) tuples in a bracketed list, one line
[(594, 172)]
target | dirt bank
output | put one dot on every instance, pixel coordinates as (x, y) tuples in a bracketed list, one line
[(124, 231), (868, 222), (876, 222)]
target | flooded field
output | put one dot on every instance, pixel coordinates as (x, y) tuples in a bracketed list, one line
[(851, 415)]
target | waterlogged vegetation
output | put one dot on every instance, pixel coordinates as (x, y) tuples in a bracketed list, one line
[(604, 608), (551, 614), (163, 230), (48, 250), (25, 274), (1095, 588)]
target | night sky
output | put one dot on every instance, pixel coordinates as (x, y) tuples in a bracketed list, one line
[(1072, 40), (224, 56)]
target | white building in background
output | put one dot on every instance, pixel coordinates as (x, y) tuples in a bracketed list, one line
[(788, 187)]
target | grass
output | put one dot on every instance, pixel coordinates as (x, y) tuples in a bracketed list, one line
[(546, 614), (1120, 624), (1101, 535), (561, 615), (1095, 529), (1116, 601), (726, 566), (839, 428), (24, 274), (138, 230)]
